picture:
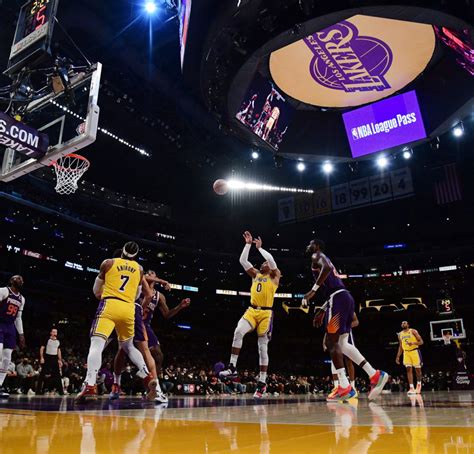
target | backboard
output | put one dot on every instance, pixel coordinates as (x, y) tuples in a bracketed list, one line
[(69, 118), (455, 327)]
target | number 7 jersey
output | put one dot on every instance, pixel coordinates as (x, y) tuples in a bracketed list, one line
[(122, 281)]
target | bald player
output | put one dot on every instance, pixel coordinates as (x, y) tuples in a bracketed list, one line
[(338, 313), (259, 316)]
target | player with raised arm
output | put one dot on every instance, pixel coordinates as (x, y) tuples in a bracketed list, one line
[(259, 315), (12, 303), (145, 339), (338, 311), (117, 287), (410, 341)]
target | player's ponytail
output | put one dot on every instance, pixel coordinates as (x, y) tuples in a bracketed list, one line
[(130, 250)]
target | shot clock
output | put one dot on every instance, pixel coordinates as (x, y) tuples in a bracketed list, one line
[(33, 34)]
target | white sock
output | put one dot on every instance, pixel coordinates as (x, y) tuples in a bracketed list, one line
[(233, 360), (135, 357), (369, 370), (94, 359), (263, 377), (336, 383), (341, 374), (117, 378), (353, 383), (412, 387)]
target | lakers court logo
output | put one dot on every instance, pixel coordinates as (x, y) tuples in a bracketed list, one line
[(354, 62), (344, 60)]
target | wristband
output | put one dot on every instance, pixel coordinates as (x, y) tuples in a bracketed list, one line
[(315, 288)]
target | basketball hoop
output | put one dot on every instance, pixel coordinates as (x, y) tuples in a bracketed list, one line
[(447, 338), (69, 169)]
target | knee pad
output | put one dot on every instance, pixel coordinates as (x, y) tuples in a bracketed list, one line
[(243, 327), (263, 350)]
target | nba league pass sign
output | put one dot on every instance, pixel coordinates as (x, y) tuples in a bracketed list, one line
[(385, 124), (356, 61)]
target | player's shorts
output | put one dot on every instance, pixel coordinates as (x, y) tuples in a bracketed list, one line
[(412, 359), (114, 313), (152, 338), (340, 313), (140, 331), (8, 335), (261, 320)]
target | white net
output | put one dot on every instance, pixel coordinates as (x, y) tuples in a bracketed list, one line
[(69, 169), (447, 339)]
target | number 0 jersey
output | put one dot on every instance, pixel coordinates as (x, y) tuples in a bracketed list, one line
[(262, 291), (10, 305), (122, 281)]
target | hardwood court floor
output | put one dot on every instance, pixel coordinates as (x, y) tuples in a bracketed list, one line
[(439, 422)]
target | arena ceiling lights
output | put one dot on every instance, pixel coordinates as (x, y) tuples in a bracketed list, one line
[(356, 61)]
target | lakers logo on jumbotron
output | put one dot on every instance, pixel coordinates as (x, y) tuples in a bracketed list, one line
[(344, 60)]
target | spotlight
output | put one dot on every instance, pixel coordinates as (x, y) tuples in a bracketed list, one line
[(301, 166), (407, 153), (382, 162), (328, 168), (458, 131), (255, 155), (150, 7)]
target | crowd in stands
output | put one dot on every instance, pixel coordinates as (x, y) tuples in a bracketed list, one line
[(187, 378)]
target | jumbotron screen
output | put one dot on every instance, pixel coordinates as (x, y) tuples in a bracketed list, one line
[(385, 124), (265, 111), (460, 42)]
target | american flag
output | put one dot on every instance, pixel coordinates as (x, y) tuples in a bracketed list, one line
[(447, 187)]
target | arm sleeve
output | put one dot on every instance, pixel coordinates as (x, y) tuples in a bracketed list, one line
[(18, 320), (244, 257), (3, 293), (269, 258)]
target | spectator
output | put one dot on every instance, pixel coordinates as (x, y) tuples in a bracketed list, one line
[(11, 380), (26, 376)]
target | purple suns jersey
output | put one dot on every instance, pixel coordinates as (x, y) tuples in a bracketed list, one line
[(10, 305), (149, 310), (333, 282)]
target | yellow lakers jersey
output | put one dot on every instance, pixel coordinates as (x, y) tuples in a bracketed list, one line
[(122, 280), (405, 337), (262, 291)]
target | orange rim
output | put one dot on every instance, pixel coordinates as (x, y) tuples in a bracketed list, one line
[(72, 155)]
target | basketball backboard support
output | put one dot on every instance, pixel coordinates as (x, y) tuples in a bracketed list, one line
[(455, 327), (70, 118)]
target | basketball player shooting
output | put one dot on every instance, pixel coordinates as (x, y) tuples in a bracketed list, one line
[(259, 316), (117, 287), (337, 313)]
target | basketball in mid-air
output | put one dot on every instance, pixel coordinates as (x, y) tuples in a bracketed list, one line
[(220, 187)]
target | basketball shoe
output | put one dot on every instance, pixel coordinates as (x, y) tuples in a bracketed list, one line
[(377, 383), (341, 394), (115, 392), (87, 393), (260, 391)]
